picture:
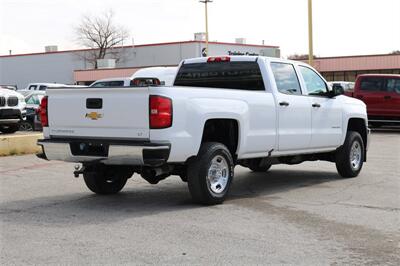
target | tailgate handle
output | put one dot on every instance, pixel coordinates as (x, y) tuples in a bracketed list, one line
[(94, 103)]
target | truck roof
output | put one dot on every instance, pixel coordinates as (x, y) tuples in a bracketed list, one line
[(112, 79), (46, 84), (155, 72), (380, 75), (238, 58)]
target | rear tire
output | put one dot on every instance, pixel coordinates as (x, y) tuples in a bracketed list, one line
[(350, 157), (210, 174), (107, 180), (26, 126), (9, 129), (255, 166)]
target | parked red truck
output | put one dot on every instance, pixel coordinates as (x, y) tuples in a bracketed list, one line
[(381, 94)]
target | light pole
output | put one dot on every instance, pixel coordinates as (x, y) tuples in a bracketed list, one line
[(205, 4), (310, 35)]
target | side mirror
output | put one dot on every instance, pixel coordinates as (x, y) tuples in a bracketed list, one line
[(336, 91)]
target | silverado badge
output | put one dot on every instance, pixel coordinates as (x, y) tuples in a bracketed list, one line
[(93, 115)]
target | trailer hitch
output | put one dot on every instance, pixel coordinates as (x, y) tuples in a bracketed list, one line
[(79, 170)]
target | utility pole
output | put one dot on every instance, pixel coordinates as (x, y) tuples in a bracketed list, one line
[(205, 2), (310, 35)]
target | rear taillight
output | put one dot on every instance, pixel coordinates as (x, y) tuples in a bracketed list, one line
[(43, 112), (160, 112), (219, 59)]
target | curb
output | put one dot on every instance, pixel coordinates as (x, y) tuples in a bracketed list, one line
[(19, 144)]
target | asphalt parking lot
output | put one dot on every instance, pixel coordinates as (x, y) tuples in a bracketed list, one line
[(303, 214)]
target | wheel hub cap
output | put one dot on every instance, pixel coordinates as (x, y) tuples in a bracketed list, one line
[(355, 155), (218, 174)]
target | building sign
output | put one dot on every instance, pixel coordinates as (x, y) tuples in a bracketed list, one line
[(241, 53)]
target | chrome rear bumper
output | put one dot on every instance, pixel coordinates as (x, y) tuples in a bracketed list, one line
[(105, 151)]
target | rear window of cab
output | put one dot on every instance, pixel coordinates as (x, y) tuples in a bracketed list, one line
[(223, 75), (380, 84)]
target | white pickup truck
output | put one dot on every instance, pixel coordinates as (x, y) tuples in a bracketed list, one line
[(221, 112), (12, 110)]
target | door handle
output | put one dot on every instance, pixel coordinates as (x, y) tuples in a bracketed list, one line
[(284, 104), (316, 105), (387, 97)]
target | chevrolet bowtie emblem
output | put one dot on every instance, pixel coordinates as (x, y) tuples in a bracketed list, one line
[(93, 115)]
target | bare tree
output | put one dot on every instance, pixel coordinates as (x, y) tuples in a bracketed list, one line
[(102, 36)]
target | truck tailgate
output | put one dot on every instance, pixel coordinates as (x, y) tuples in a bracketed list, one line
[(117, 113)]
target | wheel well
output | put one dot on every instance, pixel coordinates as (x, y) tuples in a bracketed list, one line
[(358, 125), (225, 131)]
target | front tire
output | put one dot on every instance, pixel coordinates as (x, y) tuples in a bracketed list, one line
[(106, 180), (350, 157), (210, 174)]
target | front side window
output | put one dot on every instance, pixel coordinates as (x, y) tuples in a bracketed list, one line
[(32, 87), (314, 83), (393, 85), (286, 78)]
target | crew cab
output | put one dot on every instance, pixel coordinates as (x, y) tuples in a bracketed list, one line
[(12, 110), (381, 94), (221, 112)]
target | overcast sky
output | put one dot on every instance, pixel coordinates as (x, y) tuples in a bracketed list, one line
[(341, 27)]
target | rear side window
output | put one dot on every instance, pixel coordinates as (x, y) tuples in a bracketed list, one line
[(372, 84), (286, 78), (224, 75), (42, 88)]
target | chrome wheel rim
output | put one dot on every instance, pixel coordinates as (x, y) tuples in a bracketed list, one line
[(218, 174), (355, 155)]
